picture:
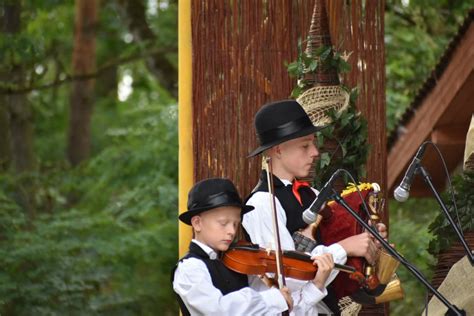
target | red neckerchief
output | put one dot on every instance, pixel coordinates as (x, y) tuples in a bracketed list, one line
[(296, 186)]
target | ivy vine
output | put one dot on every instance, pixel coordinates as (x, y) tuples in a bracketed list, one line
[(343, 144), (441, 229), (324, 58)]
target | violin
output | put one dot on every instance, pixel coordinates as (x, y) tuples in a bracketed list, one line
[(247, 258)]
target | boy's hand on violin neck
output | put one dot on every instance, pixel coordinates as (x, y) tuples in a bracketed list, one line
[(325, 264), (286, 294), (361, 245)]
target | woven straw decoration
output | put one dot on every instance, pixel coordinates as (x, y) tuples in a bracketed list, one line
[(348, 307), (318, 36), (318, 100), (326, 92)]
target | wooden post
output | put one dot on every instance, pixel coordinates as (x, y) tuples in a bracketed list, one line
[(185, 118)]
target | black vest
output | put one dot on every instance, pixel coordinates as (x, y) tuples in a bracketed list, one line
[(294, 216), (293, 209), (225, 280)]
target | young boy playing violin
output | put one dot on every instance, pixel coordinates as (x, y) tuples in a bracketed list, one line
[(286, 136), (203, 284)]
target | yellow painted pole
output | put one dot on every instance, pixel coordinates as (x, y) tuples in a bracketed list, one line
[(185, 117)]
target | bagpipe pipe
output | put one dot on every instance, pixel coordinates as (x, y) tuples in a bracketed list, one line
[(370, 284)]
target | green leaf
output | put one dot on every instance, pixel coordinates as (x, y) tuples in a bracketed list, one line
[(324, 160), (293, 69), (325, 54), (343, 66), (319, 139), (354, 95), (297, 90), (344, 150), (321, 50)]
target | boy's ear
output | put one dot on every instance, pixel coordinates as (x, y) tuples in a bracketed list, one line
[(277, 150), (196, 223)]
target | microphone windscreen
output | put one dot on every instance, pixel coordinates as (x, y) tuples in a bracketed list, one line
[(400, 194), (309, 217)]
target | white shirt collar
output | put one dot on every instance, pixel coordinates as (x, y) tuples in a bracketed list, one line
[(286, 182), (210, 252)]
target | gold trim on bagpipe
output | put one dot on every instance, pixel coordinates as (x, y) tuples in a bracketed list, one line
[(384, 269)]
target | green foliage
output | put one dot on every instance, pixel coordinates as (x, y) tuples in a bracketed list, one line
[(111, 252), (443, 232), (87, 262), (349, 134), (409, 232), (416, 35), (324, 58), (348, 129), (104, 238)]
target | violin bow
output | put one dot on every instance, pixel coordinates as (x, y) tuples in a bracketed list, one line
[(278, 252)]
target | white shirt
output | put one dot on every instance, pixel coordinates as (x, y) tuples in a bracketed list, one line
[(193, 283), (259, 226)]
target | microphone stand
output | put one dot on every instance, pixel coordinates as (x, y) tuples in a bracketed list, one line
[(452, 309), (427, 178)]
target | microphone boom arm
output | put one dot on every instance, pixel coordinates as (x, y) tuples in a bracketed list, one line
[(427, 178), (452, 309)]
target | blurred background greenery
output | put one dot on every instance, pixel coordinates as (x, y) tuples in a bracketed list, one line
[(98, 236), (97, 233)]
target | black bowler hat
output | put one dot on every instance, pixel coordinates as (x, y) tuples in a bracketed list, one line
[(280, 121), (212, 193)]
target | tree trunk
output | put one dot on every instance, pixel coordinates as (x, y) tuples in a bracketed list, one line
[(164, 71), (5, 144), (21, 127), (82, 93), (17, 114)]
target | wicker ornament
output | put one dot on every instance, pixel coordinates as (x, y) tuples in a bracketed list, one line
[(326, 92), (318, 100), (348, 307)]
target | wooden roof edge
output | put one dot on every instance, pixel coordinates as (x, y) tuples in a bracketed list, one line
[(430, 82), (418, 128)]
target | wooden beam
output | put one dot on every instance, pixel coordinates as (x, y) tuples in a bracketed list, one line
[(452, 155), (185, 117), (434, 105), (450, 135)]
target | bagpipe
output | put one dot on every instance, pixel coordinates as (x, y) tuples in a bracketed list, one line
[(372, 284), (364, 283)]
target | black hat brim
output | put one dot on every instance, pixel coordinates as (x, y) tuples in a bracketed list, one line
[(304, 132), (185, 217)]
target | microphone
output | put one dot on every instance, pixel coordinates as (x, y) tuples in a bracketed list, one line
[(402, 192), (311, 214)]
